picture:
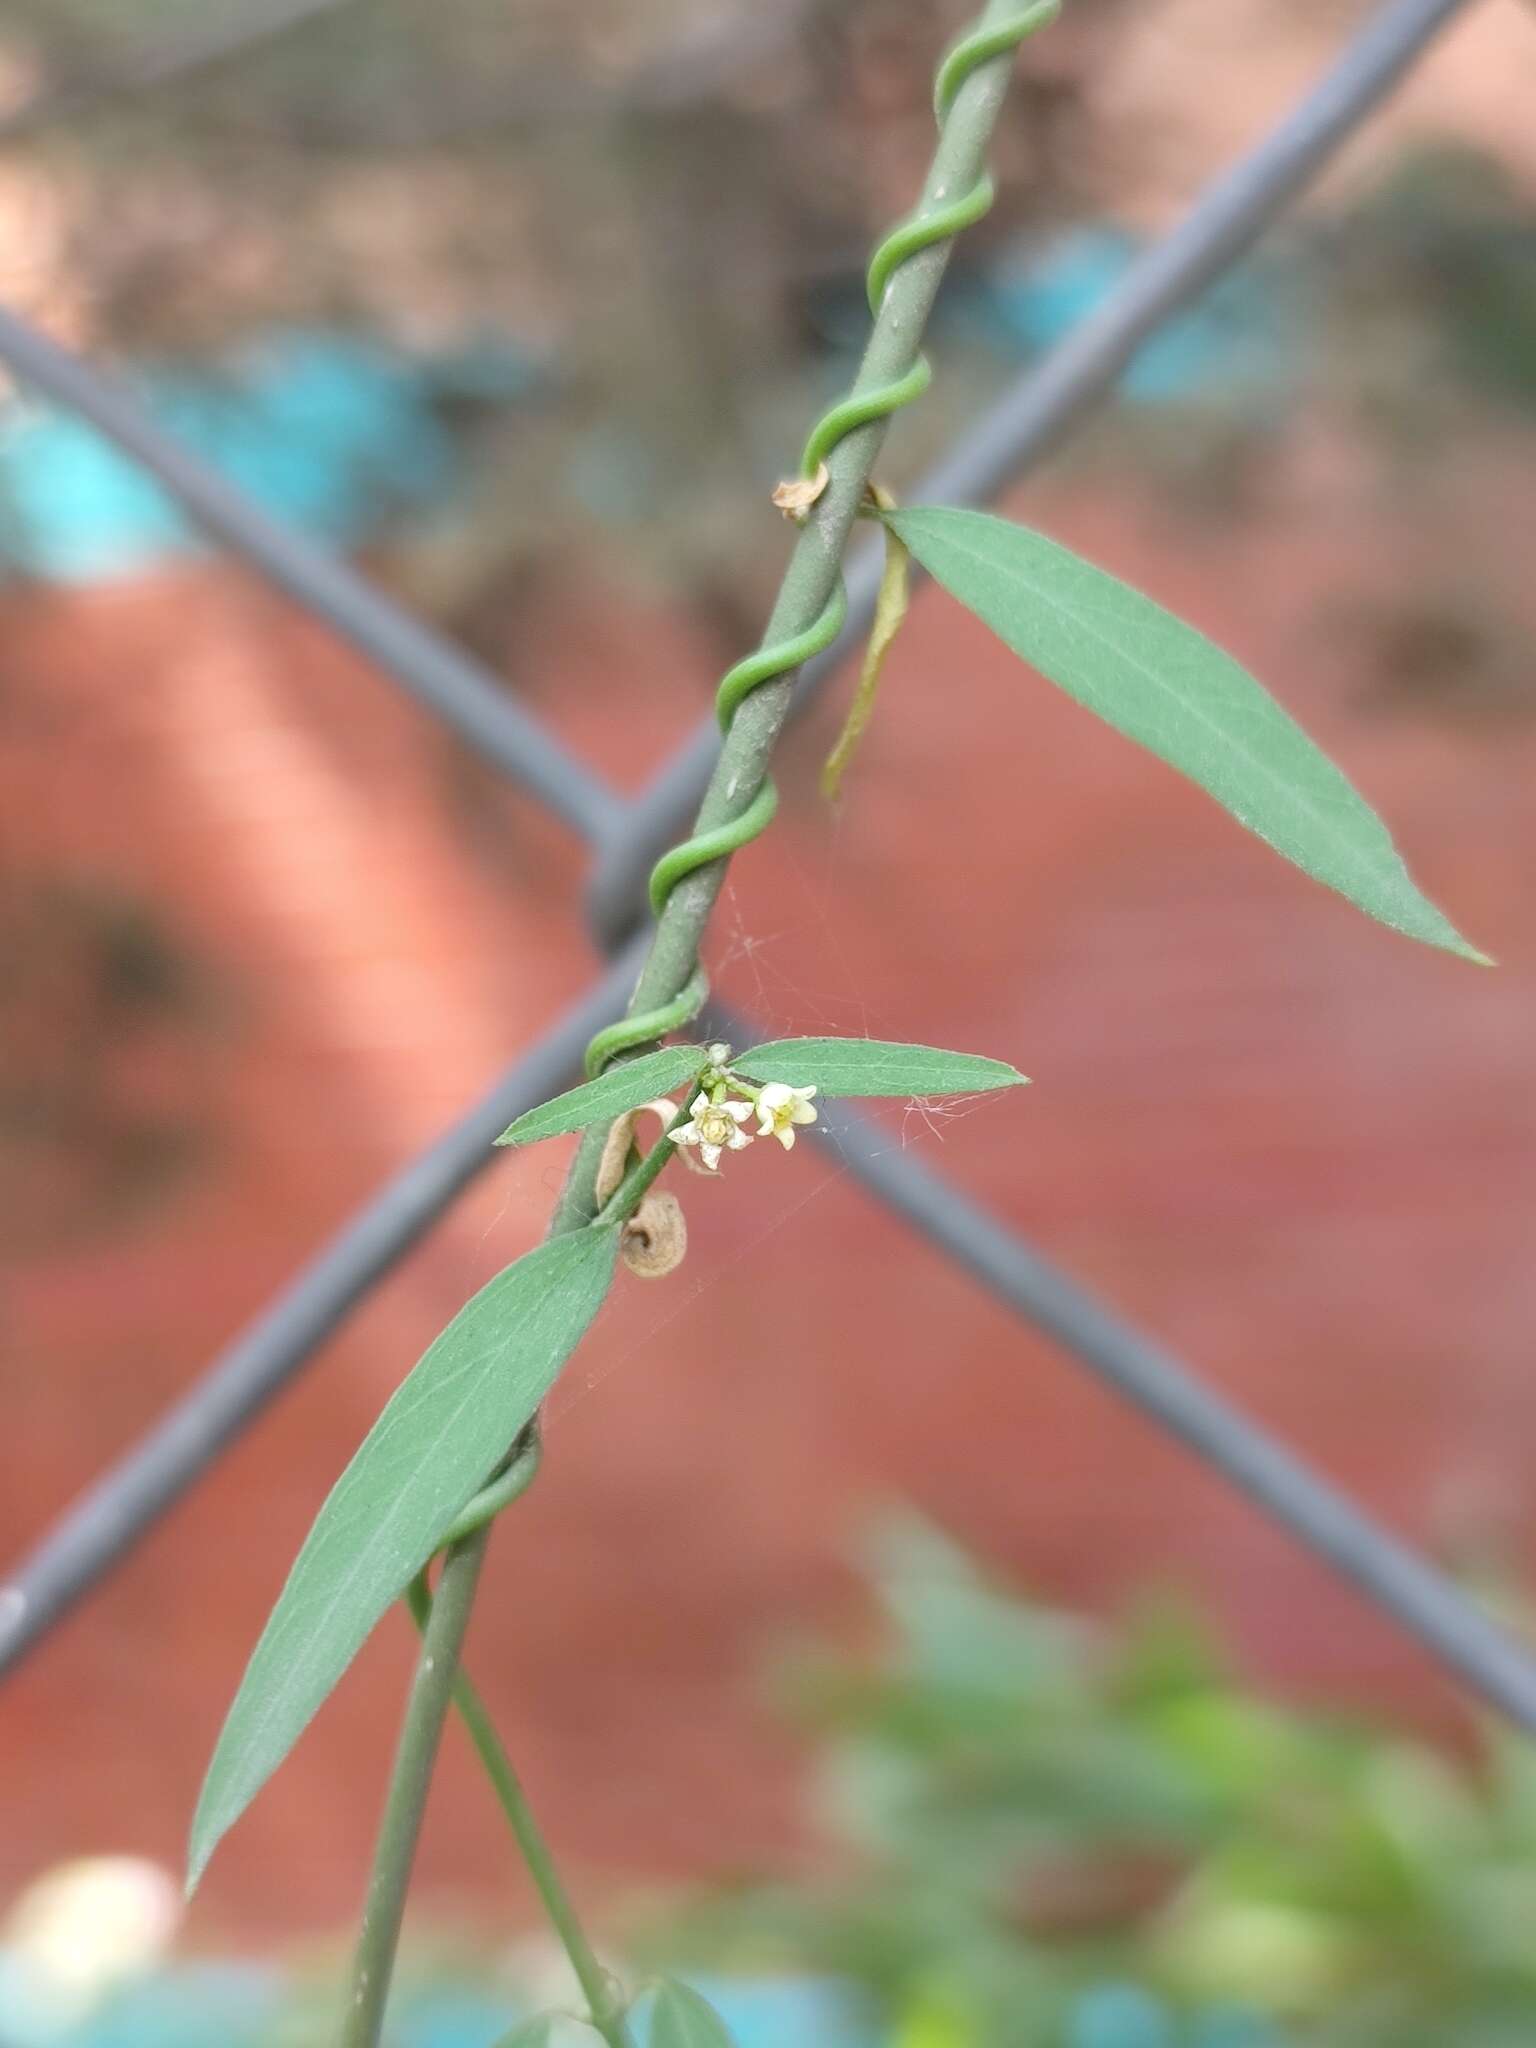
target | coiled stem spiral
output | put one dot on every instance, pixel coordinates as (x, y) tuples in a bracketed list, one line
[(934, 220), (937, 217), (671, 989)]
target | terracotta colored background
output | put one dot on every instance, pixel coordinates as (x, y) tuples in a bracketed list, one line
[(1295, 1147)]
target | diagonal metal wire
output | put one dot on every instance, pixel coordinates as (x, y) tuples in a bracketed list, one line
[(1427, 1604), (122, 1506), (464, 695), (101, 1527)]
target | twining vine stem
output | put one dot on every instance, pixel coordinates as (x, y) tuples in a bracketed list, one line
[(754, 698), (605, 2003)]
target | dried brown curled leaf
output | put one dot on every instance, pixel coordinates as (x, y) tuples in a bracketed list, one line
[(797, 494), (655, 1239)]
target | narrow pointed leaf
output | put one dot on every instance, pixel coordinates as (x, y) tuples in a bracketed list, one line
[(626, 1085), (874, 1066), (681, 2018), (440, 1436), (1162, 683)]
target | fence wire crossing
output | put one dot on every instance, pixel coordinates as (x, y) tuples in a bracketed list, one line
[(1032, 417)]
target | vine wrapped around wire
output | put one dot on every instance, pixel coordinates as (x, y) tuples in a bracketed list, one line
[(927, 224)]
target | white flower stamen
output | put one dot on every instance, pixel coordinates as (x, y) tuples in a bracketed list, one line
[(780, 1108), (715, 1127)]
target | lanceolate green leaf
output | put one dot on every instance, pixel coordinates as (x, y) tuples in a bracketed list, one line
[(681, 2018), (436, 1441), (624, 1086), (1162, 683), (873, 1066)]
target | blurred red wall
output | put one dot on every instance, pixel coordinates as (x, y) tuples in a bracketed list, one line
[(1297, 1148)]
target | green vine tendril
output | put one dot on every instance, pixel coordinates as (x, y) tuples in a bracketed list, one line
[(938, 216), (926, 225)]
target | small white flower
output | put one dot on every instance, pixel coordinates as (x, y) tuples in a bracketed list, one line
[(719, 1054), (780, 1108), (715, 1127)]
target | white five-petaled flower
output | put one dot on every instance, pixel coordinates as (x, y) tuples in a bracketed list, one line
[(715, 1127), (780, 1108)]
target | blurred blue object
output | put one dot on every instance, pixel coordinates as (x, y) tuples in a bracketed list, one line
[(448, 2019), (331, 433), (1241, 335), (781, 2012), (1235, 2029), (1121, 2016), (228, 2006), (1125, 2016), (237, 2006), (224, 2004)]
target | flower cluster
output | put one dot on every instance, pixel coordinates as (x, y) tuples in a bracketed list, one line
[(715, 1122)]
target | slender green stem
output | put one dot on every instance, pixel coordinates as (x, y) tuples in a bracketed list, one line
[(812, 578), (426, 1710), (632, 1189), (605, 2003)]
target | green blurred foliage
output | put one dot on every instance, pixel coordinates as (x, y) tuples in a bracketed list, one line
[(1026, 1808), (1431, 291)]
